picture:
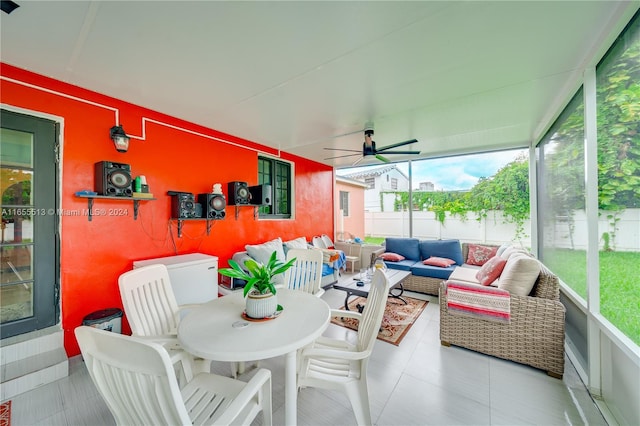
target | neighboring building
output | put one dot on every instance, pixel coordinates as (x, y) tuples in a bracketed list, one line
[(387, 178), (349, 207), (427, 186)]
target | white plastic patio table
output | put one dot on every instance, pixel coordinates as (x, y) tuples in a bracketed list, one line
[(208, 331)]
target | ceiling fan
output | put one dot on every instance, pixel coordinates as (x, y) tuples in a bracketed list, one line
[(369, 148)]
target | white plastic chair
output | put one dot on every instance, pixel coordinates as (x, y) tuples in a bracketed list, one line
[(152, 310), (306, 272), (136, 380), (328, 243), (339, 365), (352, 255), (317, 242)]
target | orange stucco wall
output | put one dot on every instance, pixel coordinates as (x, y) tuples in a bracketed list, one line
[(93, 254)]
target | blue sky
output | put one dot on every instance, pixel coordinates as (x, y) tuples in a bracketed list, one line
[(454, 173)]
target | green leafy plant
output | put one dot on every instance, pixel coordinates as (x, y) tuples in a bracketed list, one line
[(260, 276), (606, 238)]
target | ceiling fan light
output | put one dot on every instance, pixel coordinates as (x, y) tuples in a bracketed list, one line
[(368, 147)]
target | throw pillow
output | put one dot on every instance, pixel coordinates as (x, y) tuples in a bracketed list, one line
[(392, 257), (298, 243), (502, 248), (519, 274), (439, 261), (491, 270), (479, 255), (262, 252), (510, 251)]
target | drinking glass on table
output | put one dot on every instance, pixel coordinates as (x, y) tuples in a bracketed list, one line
[(379, 264), (369, 274)]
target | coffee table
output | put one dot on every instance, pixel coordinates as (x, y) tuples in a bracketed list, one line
[(396, 278)]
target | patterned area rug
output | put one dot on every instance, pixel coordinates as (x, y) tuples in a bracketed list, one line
[(5, 414), (396, 322)]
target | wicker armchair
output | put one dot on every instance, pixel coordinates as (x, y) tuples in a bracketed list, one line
[(534, 336)]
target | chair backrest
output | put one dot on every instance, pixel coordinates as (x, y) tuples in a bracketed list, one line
[(318, 242), (135, 378), (371, 320), (327, 241), (148, 301), (353, 249), (306, 272)]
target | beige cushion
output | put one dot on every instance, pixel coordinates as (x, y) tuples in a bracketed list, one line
[(463, 274), (262, 252), (502, 248), (298, 243), (519, 274), (509, 251)]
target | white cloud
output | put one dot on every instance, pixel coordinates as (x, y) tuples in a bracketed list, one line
[(455, 173)]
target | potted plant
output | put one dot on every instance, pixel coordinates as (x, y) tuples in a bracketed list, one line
[(259, 291)]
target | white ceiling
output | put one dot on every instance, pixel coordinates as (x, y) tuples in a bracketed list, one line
[(458, 76)]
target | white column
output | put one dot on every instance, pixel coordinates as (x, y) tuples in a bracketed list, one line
[(591, 201)]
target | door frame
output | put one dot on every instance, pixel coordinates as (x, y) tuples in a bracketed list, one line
[(59, 121)]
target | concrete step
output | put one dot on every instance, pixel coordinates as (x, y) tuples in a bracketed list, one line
[(30, 361)]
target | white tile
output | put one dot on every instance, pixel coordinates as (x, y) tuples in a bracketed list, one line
[(416, 402), (525, 394), (34, 406), (58, 419), (92, 411)]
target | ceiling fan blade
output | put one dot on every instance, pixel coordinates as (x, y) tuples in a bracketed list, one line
[(343, 149), (401, 152), (396, 145), (343, 156), (381, 158), (324, 138), (357, 161)]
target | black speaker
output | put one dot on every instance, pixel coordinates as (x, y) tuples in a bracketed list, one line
[(113, 179), (213, 206), (183, 206), (238, 193), (260, 194)]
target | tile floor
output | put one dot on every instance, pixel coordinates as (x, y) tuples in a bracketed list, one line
[(419, 382)]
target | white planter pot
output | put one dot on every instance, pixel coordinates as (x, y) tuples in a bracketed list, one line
[(261, 305)]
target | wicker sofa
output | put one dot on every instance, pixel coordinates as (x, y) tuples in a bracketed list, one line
[(425, 279), (534, 336)]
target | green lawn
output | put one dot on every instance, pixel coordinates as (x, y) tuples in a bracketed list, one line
[(619, 287), (619, 283), (374, 240)]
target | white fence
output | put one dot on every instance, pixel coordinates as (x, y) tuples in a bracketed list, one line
[(493, 230)]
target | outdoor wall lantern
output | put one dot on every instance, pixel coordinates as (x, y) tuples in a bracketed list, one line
[(119, 138)]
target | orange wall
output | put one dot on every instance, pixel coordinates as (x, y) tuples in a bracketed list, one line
[(354, 223), (94, 254)]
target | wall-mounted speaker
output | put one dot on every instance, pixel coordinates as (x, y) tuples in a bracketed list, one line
[(238, 193), (260, 195), (113, 179), (183, 206), (213, 206)]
